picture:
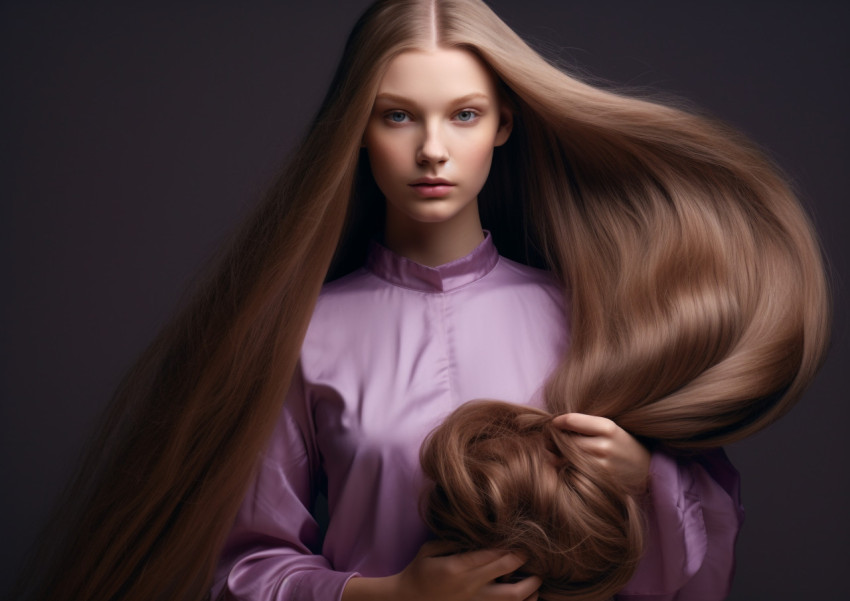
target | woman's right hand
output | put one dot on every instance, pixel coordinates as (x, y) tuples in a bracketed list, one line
[(433, 576)]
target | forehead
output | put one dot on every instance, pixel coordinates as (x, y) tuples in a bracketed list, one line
[(437, 74)]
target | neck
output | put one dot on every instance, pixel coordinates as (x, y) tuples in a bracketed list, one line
[(434, 243)]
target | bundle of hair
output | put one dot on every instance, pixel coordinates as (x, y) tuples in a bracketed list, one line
[(506, 478)]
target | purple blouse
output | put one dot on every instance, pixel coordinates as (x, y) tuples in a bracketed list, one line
[(391, 350)]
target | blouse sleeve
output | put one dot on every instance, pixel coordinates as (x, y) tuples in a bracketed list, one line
[(694, 513), (273, 551)]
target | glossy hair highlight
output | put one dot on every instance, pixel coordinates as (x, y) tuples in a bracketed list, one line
[(698, 306)]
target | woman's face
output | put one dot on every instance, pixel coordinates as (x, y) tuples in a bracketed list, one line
[(431, 134)]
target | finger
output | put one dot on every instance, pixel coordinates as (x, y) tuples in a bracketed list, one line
[(505, 564), (487, 559), (600, 447), (589, 425), (519, 591)]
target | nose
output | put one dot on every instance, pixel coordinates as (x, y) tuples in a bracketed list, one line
[(432, 149)]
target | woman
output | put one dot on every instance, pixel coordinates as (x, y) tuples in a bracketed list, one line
[(639, 164), (434, 319), (209, 391)]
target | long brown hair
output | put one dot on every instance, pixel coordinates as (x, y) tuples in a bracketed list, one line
[(698, 300)]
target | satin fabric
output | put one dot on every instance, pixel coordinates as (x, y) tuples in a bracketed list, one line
[(391, 350)]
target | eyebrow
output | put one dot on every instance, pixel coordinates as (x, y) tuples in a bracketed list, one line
[(405, 100)]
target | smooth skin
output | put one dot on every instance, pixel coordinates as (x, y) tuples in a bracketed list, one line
[(614, 449), (430, 140), (436, 116)]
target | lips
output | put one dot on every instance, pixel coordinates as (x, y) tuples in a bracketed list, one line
[(431, 181), (432, 187)]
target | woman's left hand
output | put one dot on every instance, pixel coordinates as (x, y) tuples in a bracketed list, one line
[(615, 449)]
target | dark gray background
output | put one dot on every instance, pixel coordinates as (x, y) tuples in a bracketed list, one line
[(133, 138)]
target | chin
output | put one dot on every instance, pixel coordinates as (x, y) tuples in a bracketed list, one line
[(433, 216)]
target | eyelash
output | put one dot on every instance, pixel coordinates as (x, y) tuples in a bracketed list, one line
[(474, 114)]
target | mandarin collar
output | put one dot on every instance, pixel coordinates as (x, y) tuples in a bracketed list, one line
[(406, 273)]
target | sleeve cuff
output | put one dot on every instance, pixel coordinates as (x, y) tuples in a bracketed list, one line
[(693, 514), (320, 585), (675, 543)]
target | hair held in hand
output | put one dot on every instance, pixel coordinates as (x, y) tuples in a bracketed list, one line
[(506, 478), (697, 301)]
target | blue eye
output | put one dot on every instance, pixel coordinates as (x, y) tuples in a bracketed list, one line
[(466, 116), (397, 116)]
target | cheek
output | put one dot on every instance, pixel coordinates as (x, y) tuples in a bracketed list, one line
[(478, 158), (385, 157)]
